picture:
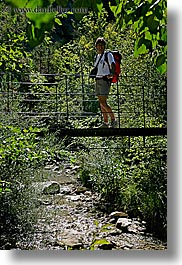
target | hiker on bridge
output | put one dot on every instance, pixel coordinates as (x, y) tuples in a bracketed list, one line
[(105, 72)]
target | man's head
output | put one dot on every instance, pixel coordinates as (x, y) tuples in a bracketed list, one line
[(100, 40), (100, 44)]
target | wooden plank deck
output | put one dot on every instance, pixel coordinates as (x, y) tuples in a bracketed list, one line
[(92, 132)]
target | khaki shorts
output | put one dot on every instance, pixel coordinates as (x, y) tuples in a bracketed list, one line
[(102, 87)]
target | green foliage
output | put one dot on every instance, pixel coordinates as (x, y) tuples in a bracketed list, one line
[(19, 155), (97, 242), (94, 5), (149, 20), (24, 148), (23, 153), (147, 17), (132, 180), (13, 58), (17, 149), (13, 53), (4, 186), (39, 24), (77, 55)]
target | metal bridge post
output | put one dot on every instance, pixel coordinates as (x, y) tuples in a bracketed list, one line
[(144, 122), (67, 105), (82, 80), (118, 100), (8, 96), (56, 107), (83, 93)]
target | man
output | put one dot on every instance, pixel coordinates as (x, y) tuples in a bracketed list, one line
[(102, 87)]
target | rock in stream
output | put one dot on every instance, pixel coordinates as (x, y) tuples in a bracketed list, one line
[(69, 219)]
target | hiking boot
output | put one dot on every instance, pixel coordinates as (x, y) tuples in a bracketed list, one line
[(114, 124), (103, 125)]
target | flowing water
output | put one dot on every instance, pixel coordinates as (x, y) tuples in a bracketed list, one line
[(72, 219)]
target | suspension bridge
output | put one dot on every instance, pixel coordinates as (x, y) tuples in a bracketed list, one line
[(139, 103)]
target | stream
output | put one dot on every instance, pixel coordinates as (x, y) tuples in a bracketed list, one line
[(70, 217)]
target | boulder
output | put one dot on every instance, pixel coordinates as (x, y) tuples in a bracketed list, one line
[(117, 215), (70, 242), (65, 190), (70, 239), (80, 190), (73, 197), (51, 187), (123, 223)]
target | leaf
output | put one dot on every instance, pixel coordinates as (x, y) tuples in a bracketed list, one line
[(29, 4), (40, 24), (148, 36), (141, 50), (162, 68), (163, 34), (95, 5), (116, 9), (142, 46), (99, 6), (158, 12), (142, 10), (35, 36), (40, 19), (102, 241), (128, 18), (58, 21), (160, 60), (33, 4), (152, 24), (17, 3)]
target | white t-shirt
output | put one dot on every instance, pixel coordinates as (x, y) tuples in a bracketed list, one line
[(103, 67)]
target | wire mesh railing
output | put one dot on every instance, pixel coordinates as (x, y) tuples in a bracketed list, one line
[(136, 101)]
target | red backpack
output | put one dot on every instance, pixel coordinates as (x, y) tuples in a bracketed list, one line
[(117, 58)]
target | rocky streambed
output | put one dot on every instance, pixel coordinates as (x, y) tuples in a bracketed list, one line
[(68, 218)]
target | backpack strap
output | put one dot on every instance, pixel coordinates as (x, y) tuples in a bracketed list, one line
[(98, 60), (106, 59)]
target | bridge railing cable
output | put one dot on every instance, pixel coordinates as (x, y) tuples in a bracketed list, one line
[(71, 98)]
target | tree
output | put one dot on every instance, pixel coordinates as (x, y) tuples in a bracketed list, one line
[(149, 20), (148, 17), (14, 53)]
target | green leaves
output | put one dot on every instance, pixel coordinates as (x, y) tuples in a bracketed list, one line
[(161, 63), (152, 24), (18, 147), (40, 18), (13, 56), (29, 3), (149, 22), (15, 3), (39, 24), (160, 60), (4, 186), (148, 18), (42, 21), (94, 5), (102, 243), (142, 46)]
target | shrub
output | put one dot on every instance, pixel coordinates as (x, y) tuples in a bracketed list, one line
[(133, 180)]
